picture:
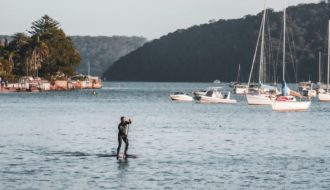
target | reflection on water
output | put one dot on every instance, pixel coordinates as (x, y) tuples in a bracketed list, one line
[(67, 140)]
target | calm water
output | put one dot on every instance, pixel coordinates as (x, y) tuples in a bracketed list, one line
[(64, 140)]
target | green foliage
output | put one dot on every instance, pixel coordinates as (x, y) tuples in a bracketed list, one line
[(100, 51), (46, 52), (44, 26), (63, 56), (213, 51)]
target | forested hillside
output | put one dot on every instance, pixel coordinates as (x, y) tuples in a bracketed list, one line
[(214, 50), (100, 51)]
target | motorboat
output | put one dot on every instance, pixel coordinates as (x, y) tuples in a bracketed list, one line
[(181, 97), (199, 93), (240, 89), (306, 88), (213, 95)]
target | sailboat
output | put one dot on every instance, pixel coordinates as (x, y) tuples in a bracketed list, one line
[(264, 94), (325, 94), (287, 100), (238, 88)]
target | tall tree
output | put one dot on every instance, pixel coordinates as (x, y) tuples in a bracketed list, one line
[(19, 49), (52, 51), (44, 26), (46, 52), (63, 57)]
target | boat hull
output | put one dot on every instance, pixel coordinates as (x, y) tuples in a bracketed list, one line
[(290, 105), (212, 100), (324, 97), (181, 98), (240, 90), (259, 99)]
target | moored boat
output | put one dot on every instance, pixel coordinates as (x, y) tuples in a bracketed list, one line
[(199, 93), (260, 99), (287, 101), (306, 88), (240, 89), (213, 95), (324, 95), (181, 97), (260, 94)]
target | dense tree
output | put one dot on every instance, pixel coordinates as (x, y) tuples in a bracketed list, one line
[(45, 53), (52, 50), (99, 51), (44, 26)]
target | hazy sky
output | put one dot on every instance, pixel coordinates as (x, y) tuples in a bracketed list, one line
[(148, 18)]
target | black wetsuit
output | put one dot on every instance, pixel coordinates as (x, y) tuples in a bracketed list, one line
[(122, 135)]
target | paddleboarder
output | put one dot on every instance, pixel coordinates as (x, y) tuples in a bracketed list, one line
[(122, 134)]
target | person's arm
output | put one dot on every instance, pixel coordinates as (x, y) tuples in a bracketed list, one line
[(129, 121)]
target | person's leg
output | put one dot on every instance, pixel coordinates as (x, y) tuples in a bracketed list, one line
[(119, 145), (126, 145)]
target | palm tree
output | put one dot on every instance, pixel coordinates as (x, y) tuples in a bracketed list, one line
[(40, 52)]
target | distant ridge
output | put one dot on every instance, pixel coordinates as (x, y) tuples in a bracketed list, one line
[(100, 51), (214, 50)]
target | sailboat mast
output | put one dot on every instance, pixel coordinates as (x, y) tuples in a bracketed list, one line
[(254, 56), (255, 52), (320, 61), (238, 74), (284, 35), (262, 48), (89, 68), (328, 55)]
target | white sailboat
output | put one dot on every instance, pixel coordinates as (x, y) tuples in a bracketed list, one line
[(324, 96), (237, 87), (263, 94), (287, 101), (259, 99)]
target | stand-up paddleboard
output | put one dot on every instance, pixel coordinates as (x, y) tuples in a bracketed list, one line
[(121, 156)]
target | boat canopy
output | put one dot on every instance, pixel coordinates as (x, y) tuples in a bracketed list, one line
[(178, 93), (209, 93)]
